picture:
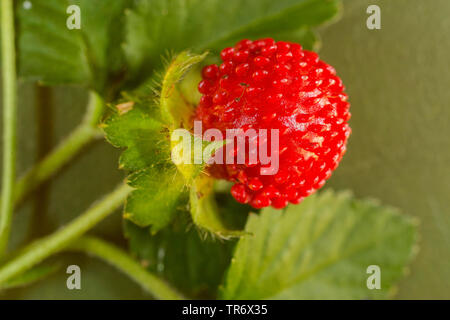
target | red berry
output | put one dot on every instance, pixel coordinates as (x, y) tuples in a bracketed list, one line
[(261, 61), (255, 184), (227, 54), (210, 72), (204, 87), (280, 202), (270, 192), (260, 201), (239, 192), (265, 84), (242, 69)]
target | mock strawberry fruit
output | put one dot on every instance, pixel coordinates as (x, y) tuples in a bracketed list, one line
[(270, 85)]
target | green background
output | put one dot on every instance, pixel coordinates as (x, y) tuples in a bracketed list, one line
[(398, 82)]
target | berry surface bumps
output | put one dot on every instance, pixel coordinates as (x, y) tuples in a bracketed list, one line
[(265, 84)]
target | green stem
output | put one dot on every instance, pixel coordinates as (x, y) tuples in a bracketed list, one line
[(54, 243), (9, 120), (84, 134), (122, 261)]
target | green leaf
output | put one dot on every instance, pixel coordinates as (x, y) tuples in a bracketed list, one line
[(160, 166), (178, 112), (321, 249), (175, 109), (31, 276), (304, 35), (153, 27), (383, 160), (204, 210), (189, 86), (234, 213), (193, 263), (135, 126), (160, 193), (192, 153), (51, 53), (188, 155), (160, 190)]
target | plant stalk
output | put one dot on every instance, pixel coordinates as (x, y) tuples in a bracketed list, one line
[(122, 261), (59, 240), (84, 134), (9, 120)]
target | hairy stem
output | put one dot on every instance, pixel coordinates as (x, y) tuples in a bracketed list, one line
[(9, 120), (84, 134), (59, 240), (122, 261)]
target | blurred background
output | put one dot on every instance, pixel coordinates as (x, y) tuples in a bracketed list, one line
[(398, 82)]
